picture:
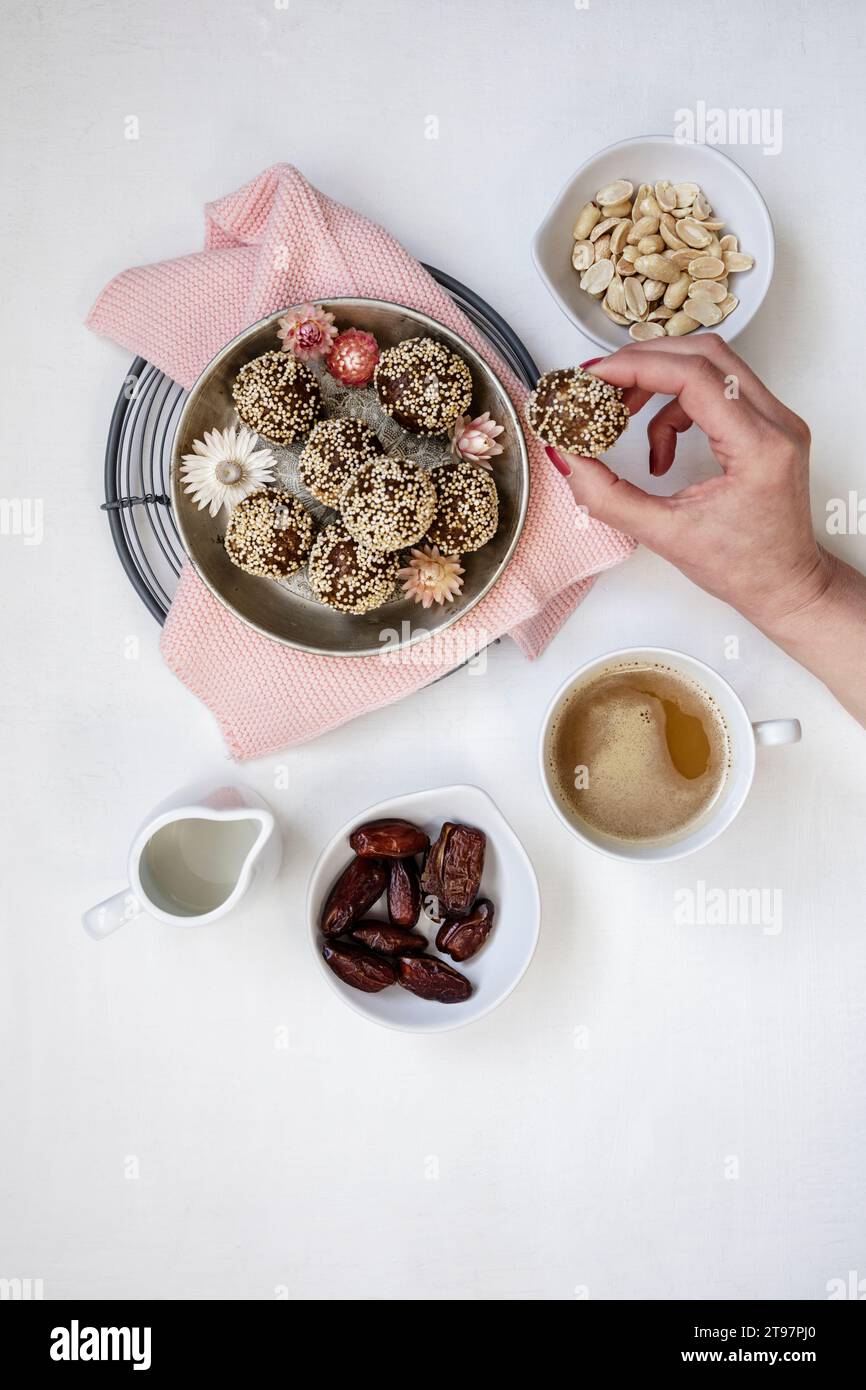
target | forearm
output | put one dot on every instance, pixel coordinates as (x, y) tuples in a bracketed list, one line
[(828, 635)]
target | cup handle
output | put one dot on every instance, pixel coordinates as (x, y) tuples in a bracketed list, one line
[(100, 921), (770, 733)]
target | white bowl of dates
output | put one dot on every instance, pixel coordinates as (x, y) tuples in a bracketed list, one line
[(423, 911), (303, 477), (588, 248)]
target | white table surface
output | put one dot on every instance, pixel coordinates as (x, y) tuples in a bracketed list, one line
[(585, 1133)]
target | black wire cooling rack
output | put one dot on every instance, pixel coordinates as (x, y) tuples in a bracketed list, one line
[(138, 456)]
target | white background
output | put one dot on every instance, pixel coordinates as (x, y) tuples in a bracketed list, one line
[(305, 1167)]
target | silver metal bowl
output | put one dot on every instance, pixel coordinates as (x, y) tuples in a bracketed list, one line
[(286, 610)]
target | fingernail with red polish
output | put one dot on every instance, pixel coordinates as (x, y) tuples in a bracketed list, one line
[(652, 461), (591, 363), (559, 464)]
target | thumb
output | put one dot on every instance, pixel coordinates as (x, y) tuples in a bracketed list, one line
[(617, 502)]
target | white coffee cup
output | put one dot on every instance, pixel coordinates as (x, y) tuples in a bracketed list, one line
[(193, 860), (743, 738)]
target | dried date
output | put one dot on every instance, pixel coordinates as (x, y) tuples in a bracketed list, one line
[(462, 937), (388, 839), (359, 968), (389, 940), (430, 978), (359, 886), (404, 893), (454, 867)]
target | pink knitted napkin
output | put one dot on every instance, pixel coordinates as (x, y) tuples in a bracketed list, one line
[(277, 242)]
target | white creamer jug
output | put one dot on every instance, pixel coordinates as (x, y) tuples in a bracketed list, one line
[(193, 860)]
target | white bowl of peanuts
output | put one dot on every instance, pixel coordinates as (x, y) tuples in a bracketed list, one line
[(655, 238)]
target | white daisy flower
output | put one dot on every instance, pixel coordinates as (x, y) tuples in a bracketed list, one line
[(226, 467)]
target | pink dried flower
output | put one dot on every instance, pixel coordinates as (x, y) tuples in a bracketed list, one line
[(475, 440), (430, 577), (308, 332), (353, 357)]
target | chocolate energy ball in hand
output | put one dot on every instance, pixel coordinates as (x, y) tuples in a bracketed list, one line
[(277, 396), (388, 504), (344, 576), (269, 534), (467, 511), (334, 450), (423, 385), (573, 410)]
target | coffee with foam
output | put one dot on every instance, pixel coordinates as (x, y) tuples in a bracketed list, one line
[(638, 752)]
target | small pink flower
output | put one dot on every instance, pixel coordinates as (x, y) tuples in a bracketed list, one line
[(432, 578), (308, 332), (353, 357), (475, 440)]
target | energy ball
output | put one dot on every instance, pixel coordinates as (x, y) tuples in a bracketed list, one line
[(571, 409), (345, 576), (423, 385), (467, 513), (277, 396), (270, 534), (388, 504), (334, 450)]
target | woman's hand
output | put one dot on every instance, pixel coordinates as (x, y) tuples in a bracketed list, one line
[(746, 535)]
